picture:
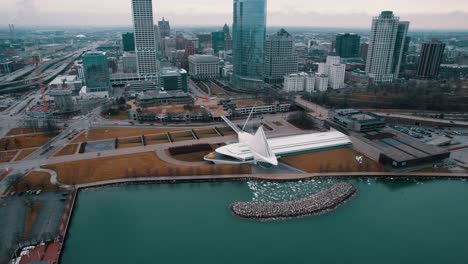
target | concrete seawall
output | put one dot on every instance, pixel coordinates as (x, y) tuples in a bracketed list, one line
[(325, 200)]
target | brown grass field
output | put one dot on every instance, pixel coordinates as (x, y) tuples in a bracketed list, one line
[(146, 164), (31, 215), (7, 156), (191, 157), (333, 160), (182, 136), (206, 133), (23, 130), (24, 142), (121, 116), (227, 131), (25, 153), (35, 180), (112, 133), (156, 139), (67, 150)]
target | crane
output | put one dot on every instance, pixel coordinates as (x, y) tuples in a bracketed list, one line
[(36, 61)]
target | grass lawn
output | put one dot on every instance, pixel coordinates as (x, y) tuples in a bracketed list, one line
[(123, 115), (25, 153), (24, 142), (23, 130), (67, 150), (112, 133), (7, 156), (146, 164), (191, 157), (227, 131), (31, 214), (206, 133), (333, 160), (35, 180)]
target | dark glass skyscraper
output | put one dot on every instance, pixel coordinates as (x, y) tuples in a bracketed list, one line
[(128, 41), (249, 33), (347, 45), (217, 41), (430, 59)]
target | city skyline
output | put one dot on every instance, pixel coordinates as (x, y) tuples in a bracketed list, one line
[(353, 14)]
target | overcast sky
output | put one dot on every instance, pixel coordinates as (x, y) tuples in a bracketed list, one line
[(423, 14)]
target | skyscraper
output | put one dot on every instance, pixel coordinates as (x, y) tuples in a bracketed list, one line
[(334, 70), (164, 28), (145, 45), (280, 57), (96, 72), (217, 41), (249, 32), (430, 59), (128, 41), (227, 38), (347, 45), (386, 47)]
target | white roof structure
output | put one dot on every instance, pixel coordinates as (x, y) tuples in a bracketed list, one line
[(285, 146), (257, 149)]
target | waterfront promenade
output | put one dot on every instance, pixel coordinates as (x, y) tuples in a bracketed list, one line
[(273, 177)]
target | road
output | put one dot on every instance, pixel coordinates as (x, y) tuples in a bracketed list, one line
[(313, 109)]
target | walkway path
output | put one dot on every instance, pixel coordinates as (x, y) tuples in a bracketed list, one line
[(275, 177)]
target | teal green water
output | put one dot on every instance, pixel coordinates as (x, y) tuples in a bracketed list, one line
[(387, 222)]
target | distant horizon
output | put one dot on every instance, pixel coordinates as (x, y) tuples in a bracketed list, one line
[(199, 26), (423, 14)]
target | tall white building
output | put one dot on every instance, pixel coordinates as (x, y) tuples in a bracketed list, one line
[(299, 82), (387, 42), (145, 46), (321, 83), (335, 71)]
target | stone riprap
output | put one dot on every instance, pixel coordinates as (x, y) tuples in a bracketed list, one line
[(324, 200)]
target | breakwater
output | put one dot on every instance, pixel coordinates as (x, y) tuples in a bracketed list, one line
[(324, 200)]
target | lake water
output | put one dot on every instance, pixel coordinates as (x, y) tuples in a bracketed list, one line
[(388, 221)]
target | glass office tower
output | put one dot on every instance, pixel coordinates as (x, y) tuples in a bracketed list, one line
[(249, 33)]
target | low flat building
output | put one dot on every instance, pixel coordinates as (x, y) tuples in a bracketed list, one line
[(154, 98), (358, 121), (70, 82), (245, 106), (397, 150), (170, 113)]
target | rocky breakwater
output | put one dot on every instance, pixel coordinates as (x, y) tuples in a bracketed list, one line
[(326, 199)]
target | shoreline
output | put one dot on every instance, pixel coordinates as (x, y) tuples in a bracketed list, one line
[(323, 201)]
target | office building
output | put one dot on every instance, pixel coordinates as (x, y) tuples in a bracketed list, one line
[(280, 57), (364, 48), (218, 41), (430, 59), (386, 47), (96, 72), (203, 67), (227, 38), (173, 79), (335, 70), (347, 45), (128, 41), (145, 45), (129, 61), (299, 82), (164, 28), (321, 83), (157, 39), (249, 31)]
